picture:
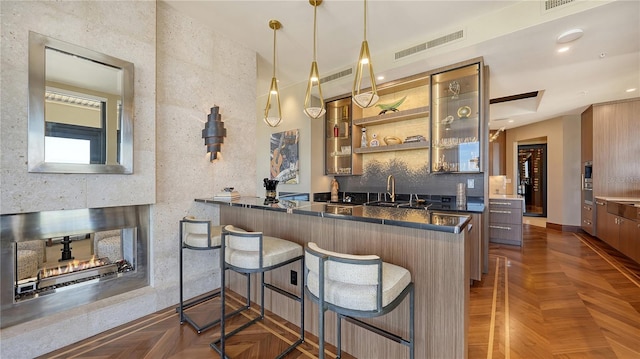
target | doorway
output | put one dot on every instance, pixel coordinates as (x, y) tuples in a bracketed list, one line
[(532, 178)]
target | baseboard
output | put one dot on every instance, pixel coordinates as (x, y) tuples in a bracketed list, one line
[(563, 228)]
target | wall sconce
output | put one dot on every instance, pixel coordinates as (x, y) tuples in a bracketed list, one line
[(271, 117), (310, 110), (369, 98), (214, 133)]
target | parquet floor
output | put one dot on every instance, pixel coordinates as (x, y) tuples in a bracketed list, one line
[(560, 295)]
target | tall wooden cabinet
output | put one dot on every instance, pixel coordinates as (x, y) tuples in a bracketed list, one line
[(616, 130)]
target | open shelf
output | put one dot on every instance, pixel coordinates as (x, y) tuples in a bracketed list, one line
[(399, 147), (393, 116)]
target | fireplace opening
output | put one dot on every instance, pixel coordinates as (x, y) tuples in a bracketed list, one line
[(53, 264), (54, 261)]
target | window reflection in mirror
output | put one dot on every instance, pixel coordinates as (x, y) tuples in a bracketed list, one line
[(80, 109)]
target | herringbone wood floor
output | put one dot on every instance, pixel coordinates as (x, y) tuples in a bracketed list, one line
[(560, 295)]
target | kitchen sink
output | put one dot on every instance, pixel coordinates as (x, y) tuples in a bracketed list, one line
[(386, 204), (422, 205)]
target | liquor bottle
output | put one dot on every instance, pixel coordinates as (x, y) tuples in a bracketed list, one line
[(336, 130)]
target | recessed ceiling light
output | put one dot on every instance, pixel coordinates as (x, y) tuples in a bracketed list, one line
[(568, 36), (380, 77), (631, 89), (563, 49), (510, 121)]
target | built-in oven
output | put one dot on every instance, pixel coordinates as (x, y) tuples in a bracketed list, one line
[(587, 182)]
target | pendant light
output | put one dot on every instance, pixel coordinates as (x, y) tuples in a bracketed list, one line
[(272, 114), (361, 98), (313, 85)]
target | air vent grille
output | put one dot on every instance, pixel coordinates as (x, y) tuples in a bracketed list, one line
[(552, 4), (336, 76), (430, 44)]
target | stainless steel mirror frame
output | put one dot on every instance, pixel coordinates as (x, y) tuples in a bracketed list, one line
[(37, 45)]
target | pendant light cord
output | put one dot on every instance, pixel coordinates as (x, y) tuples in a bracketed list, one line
[(274, 51), (365, 20), (315, 8)]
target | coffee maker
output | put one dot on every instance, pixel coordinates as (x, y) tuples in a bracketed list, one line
[(270, 186)]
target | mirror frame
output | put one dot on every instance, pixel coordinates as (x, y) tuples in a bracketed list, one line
[(36, 122)]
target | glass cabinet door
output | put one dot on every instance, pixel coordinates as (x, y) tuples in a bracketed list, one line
[(339, 138), (455, 120)]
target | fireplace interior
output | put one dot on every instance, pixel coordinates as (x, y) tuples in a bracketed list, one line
[(53, 261)]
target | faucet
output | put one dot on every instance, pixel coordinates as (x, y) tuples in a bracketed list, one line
[(391, 186)]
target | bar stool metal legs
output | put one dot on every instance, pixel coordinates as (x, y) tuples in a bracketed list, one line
[(351, 280), (196, 235), (251, 252)]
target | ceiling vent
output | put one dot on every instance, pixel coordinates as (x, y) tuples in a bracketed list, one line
[(552, 4), (336, 76), (454, 36)]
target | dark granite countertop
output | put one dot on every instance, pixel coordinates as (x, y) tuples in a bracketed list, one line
[(443, 221)]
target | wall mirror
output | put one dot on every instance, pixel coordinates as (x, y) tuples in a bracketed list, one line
[(80, 109)]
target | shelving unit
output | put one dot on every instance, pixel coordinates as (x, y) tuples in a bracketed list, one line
[(399, 147), (339, 158), (455, 121), (411, 118), (393, 117)]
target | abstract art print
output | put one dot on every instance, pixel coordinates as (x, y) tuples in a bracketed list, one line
[(284, 156)]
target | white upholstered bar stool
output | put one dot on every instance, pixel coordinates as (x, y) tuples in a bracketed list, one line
[(253, 252), (196, 235), (356, 286)]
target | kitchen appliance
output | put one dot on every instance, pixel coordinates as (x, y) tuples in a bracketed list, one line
[(270, 186), (587, 182)]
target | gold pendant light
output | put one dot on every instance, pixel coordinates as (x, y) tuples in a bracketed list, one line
[(272, 114), (314, 91), (362, 98)]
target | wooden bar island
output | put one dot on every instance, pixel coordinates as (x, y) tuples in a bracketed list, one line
[(433, 246)]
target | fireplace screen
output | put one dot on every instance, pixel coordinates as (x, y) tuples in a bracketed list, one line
[(53, 264)]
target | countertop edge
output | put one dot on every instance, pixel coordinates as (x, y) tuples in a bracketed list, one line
[(391, 222)]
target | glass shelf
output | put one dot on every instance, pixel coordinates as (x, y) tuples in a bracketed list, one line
[(455, 121)]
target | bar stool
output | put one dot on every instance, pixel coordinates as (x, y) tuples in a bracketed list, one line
[(196, 235), (253, 252), (356, 286)]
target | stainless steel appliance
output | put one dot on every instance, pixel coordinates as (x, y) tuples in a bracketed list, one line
[(587, 182)]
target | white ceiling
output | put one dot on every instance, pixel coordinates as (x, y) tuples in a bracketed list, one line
[(516, 38)]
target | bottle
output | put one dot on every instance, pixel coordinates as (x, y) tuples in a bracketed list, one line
[(336, 130), (363, 141)]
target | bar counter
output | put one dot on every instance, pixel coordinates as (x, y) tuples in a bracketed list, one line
[(442, 221), (435, 247)]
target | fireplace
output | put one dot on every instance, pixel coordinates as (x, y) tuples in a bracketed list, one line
[(74, 272)]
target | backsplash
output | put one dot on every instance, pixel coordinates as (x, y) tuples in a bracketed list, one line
[(409, 180)]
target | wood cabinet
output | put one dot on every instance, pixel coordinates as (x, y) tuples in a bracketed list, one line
[(476, 247), (601, 218), (586, 129), (588, 218), (505, 221), (616, 129), (620, 232)]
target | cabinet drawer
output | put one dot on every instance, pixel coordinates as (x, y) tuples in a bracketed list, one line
[(505, 233), (506, 203), (588, 219), (505, 215)]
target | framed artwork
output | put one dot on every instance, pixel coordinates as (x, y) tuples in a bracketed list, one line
[(284, 156)]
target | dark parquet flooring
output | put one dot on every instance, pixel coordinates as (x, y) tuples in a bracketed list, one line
[(560, 295)]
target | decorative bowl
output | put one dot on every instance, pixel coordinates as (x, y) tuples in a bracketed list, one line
[(392, 140)]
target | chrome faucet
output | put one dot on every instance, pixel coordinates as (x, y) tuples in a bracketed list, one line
[(391, 186)]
